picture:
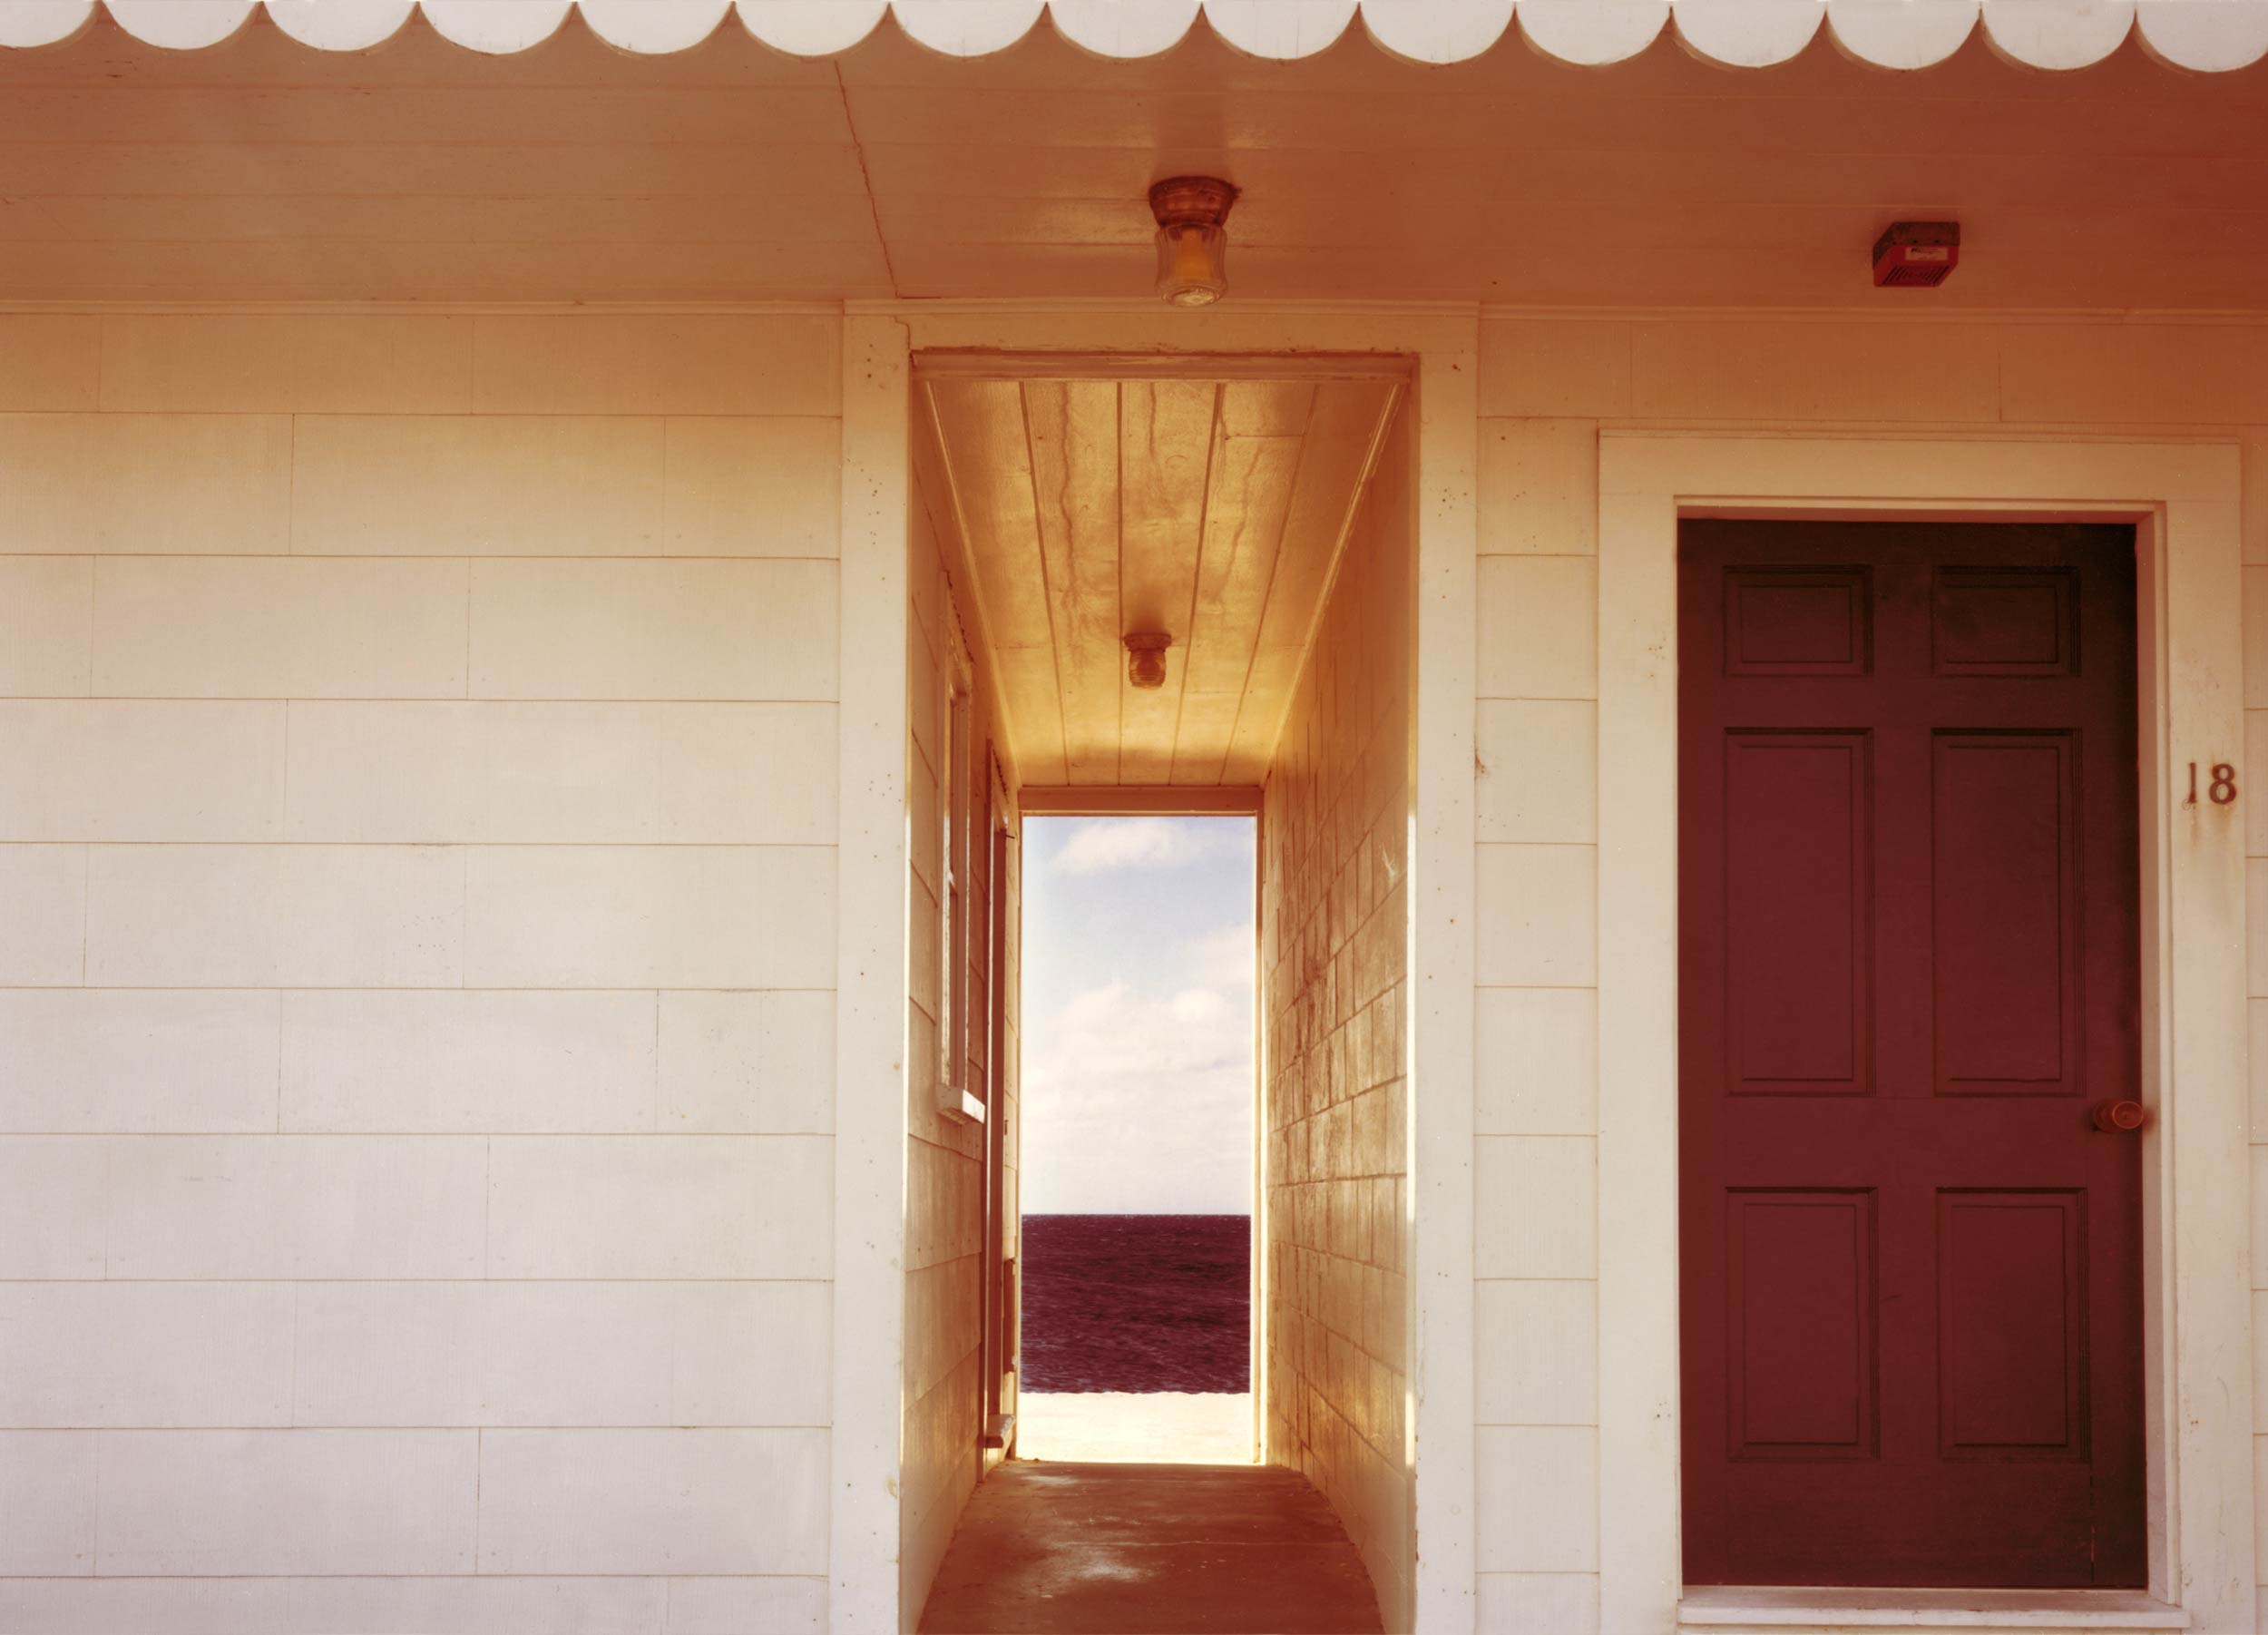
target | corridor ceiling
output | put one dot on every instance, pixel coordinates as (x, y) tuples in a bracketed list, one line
[(1210, 510), (542, 161)]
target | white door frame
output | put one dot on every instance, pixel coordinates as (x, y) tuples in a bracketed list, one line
[(2183, 499), (878, 341)]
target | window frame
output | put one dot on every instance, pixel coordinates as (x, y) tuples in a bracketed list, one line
[(960, 1094)]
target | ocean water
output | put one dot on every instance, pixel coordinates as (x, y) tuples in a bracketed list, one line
[(1137, 1302)]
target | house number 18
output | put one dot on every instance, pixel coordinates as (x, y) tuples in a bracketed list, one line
[(2220, 783)]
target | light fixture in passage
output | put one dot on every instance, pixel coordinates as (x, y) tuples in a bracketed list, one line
[(1192, 239), (1146, 657)]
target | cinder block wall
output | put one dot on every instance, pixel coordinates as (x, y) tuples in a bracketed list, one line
[(416, 838), (1547, 386), (1333, 928)]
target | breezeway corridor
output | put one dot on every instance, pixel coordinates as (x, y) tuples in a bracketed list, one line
[(1158, 593), (1159, 1549)]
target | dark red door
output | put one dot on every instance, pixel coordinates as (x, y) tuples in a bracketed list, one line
[(1909, 956)]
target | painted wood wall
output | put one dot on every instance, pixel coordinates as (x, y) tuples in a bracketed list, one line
[(1547, 386), (413, 992), (418, 804), (1334, 836)]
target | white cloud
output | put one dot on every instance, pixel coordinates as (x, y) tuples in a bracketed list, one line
[(1137, 1035), (1113, 1036), (1199, 1005), (1111, 842), (1137, 1103), (1222, 959)]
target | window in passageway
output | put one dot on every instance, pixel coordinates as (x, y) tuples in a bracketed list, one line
[(1137, 1162)]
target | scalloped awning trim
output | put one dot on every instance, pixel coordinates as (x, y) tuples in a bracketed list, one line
[(2203, 36)]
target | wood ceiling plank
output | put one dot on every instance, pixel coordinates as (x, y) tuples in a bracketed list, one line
[(1291, 197), (1243, 767), (360, 269), (1201, 745), (1594, 115), (982, 434), (1208, 509), (1603, 255), (490, 114), (1343, 427), (1266, 408), (1165, 430), (1027, 685), (965, 221), (794, 178), (420, 220), (1340, 434), (1026, 714), (1260, 718), (1246, 510), (989, 462), (1074, 439)]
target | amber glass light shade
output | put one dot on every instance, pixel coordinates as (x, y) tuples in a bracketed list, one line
[(1192, 238), (1146, 657), (1192, 264)]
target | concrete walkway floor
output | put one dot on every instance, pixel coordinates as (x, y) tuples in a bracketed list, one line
[(1153, 1427), (1047, 1549)]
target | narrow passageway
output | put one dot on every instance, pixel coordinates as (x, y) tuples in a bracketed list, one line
[(1149, 1550)]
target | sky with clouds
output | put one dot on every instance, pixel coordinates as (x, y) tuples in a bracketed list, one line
[(1137, 956)]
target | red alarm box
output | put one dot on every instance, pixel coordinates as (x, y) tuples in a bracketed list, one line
[(1919, 255)]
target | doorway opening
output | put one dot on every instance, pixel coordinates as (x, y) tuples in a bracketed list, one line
[(1170, 600), (1137, 1161)]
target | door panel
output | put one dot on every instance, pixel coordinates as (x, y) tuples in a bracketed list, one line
[(1908, 937), (1800, 1324), (2012, 1324), (2006, 915), (1799, 958)]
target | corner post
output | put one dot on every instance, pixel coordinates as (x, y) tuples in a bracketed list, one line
[(1442, 971), (870, 985)]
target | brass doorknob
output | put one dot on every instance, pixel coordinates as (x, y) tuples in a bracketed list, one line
[(2120, 1118)]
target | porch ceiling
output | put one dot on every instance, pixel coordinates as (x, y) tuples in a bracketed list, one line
[(261, 169), (1211, 510)]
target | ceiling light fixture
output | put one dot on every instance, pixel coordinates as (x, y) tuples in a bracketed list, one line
[(1145, 658), (1192, 241)]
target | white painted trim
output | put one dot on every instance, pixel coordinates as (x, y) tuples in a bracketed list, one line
[(1140, 800), (871, 1042), (147, 307), (2184, 499), (1200, 326), (1737, 1611), (1442, 968), (1111, 308), (957, 805), (985, 364), (1257, 1306), (1249, 308), (1094, 330), (2210, 38)]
